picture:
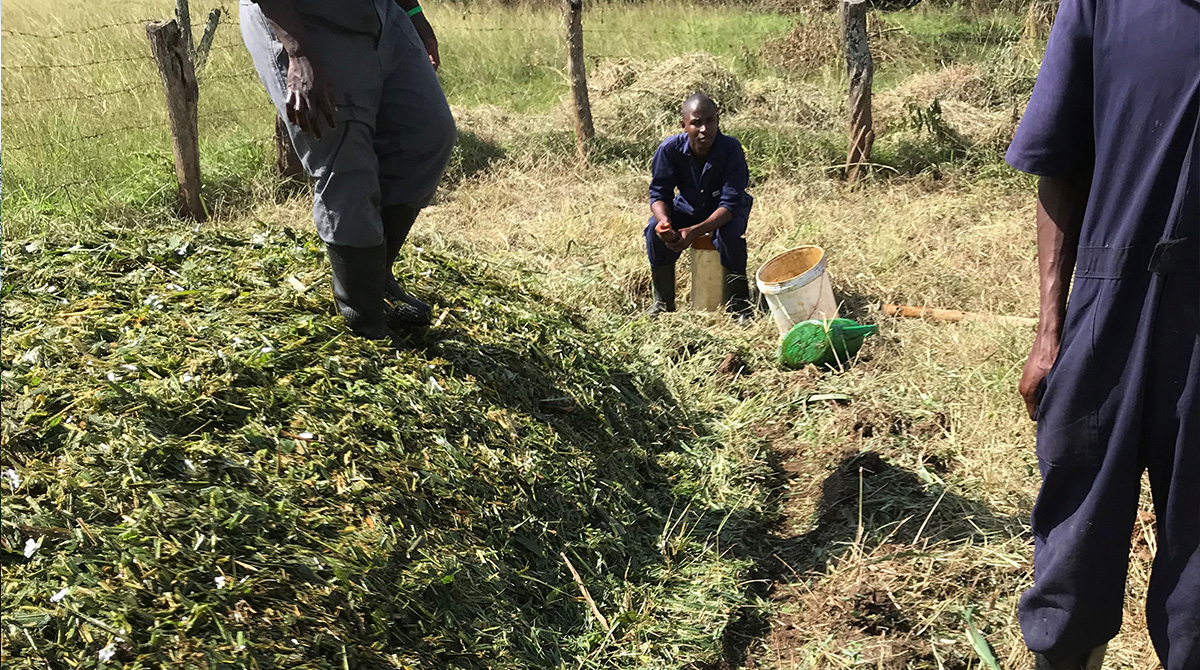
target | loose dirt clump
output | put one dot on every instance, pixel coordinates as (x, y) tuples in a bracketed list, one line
[(859, 616), (734, 364)]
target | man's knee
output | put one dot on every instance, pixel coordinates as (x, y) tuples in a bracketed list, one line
[(413, 159), (731, 244), (346, 196), (444, 134)]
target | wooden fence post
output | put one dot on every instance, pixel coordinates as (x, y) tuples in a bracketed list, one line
[(286, 160), (183, 14), (179, 82), (861, 69), (206, 40), (584, 130)]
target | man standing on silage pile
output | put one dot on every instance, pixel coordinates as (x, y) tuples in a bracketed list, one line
[(1113, 379), (708, 169), (355, 80)]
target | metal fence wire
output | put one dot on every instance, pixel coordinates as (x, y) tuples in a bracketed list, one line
[(148, 87)]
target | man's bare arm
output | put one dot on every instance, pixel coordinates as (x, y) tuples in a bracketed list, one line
[(1060, 208), (659, 209), (424, 30)]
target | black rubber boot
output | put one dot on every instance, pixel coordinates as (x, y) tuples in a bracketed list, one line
[(1091, 660), (401, 308), (736, 296), (358, 288), (662, 280)]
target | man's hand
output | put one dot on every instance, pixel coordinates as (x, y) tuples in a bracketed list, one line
[(683, 239), (665, 232), (425, 32), (309, 96), (1041, 359)]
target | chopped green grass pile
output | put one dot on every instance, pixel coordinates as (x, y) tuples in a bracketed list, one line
[(205, 469)]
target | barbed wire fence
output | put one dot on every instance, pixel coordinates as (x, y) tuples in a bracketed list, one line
[(48, 86), (222, 34)]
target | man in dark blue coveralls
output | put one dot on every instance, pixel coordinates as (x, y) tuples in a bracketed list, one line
[(1113, 378), (708, 170), (355, 80)]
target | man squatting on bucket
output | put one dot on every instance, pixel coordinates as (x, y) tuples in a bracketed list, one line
[(1113, 380), (708, 170), (355, 80)]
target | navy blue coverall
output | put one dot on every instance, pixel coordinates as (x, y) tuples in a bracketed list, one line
[(720, 182), (1117, 101)]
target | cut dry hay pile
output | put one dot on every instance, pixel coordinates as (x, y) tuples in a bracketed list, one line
[(792, 103), (642, 100), (814, 42), (1038, 20), (957, 101), (957, 82)]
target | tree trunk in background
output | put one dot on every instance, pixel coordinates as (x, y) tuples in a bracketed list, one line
[(286, 160), (584, 130), (861, 70), (206, 39)]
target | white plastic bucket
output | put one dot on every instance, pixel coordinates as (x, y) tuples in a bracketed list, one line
[(708, 277), (797, 287)]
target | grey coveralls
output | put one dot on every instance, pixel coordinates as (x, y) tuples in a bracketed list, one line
[(394, 132)]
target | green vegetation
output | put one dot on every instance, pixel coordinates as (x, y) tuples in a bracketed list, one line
[(217, 474), (259, 487)]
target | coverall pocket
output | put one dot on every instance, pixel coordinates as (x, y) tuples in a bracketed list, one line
[(1070, 442), (1068, 419)]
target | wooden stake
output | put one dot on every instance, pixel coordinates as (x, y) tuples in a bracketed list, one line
[(206, 39), (861, 69), (954, 315), (586, 596), (183, 14), (183, 95), (584, 130)]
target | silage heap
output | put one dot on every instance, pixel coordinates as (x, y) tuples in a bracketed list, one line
[(210, 472)]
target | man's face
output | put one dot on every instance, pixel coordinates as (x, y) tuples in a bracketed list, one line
[(700, 124)]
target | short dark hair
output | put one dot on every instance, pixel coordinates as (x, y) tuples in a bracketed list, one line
[(697, 100)]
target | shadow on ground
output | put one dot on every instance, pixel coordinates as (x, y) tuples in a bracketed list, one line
[(864, 503)]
